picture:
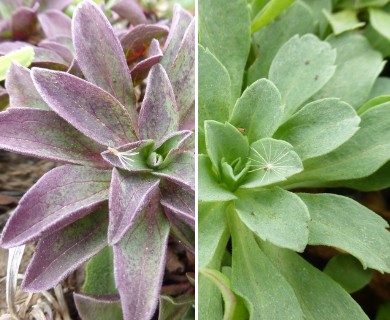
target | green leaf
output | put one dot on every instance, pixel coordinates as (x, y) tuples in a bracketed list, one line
[(380, 21), (224, 141), (344, 20), (319, 296), (100, 274), (302, 66), (209, 188), (271, 161), (373, 103), (257, 281), (258, 111), (23, 56), (209, 301), (383, 312), (270, 11), (381, 87), (319, 127), (316, 7), (360, 156), (213, 88), (174, 308), (233, 308), (345, 224), (358, 65), (275, 215), (213, 233), (219, 28), (348, 272), (97, 308), (267, 41)]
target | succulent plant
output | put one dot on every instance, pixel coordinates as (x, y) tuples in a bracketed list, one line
[(127, 181)]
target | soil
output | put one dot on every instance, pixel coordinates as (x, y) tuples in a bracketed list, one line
[(17, 174)]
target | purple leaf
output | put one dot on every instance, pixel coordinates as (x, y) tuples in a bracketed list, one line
[(58, 48), (49, 59), (139, 260), (74, 69), (180, 22), (45, 135), (130, 10), (62, 252), (181, 171), (130, 157), (23, 23), (55, 24), (88, 108), (101, 56), (54, 4), (179, 201), (130, 194), (141, 69), (60, 197), (158, 116), (181, 230), (182, 76), (138, 39), (98, 308), (7, 46), (22, 93)]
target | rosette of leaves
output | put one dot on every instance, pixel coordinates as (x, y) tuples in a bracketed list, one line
[(128, 179), (297, 123)]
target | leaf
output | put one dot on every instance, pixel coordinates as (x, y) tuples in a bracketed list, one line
[(257, 281), (181, 230), (217, 27), (139, 260), (141, 70), (213, 96), (373, 103), (139, 38), (318, 295), (360, 156), (63, 251), (209, 303), (275, 215), (267, 41), (101, 57), (130, 10), (131, 156), (181, 171), (130, 195), (55, 24), (54, 4), (344, 20), (269, 12), (319, 127), (97, 308), (43, 134), (213, 233), (381, 87), (23, 56), (379, 20), (209, 188), (61, 49), (383, 312), (317, 8), (271, 161), (180, 22), (174, 308), (217, 134), (234, 308), (23, 23), (182, 77), (348, 272), (159, 114), (88, 108), (345, 224), (99, 279), (179, 201), (21, 89), (357, 68), (258, 111), (60, 197), (302, 66)]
